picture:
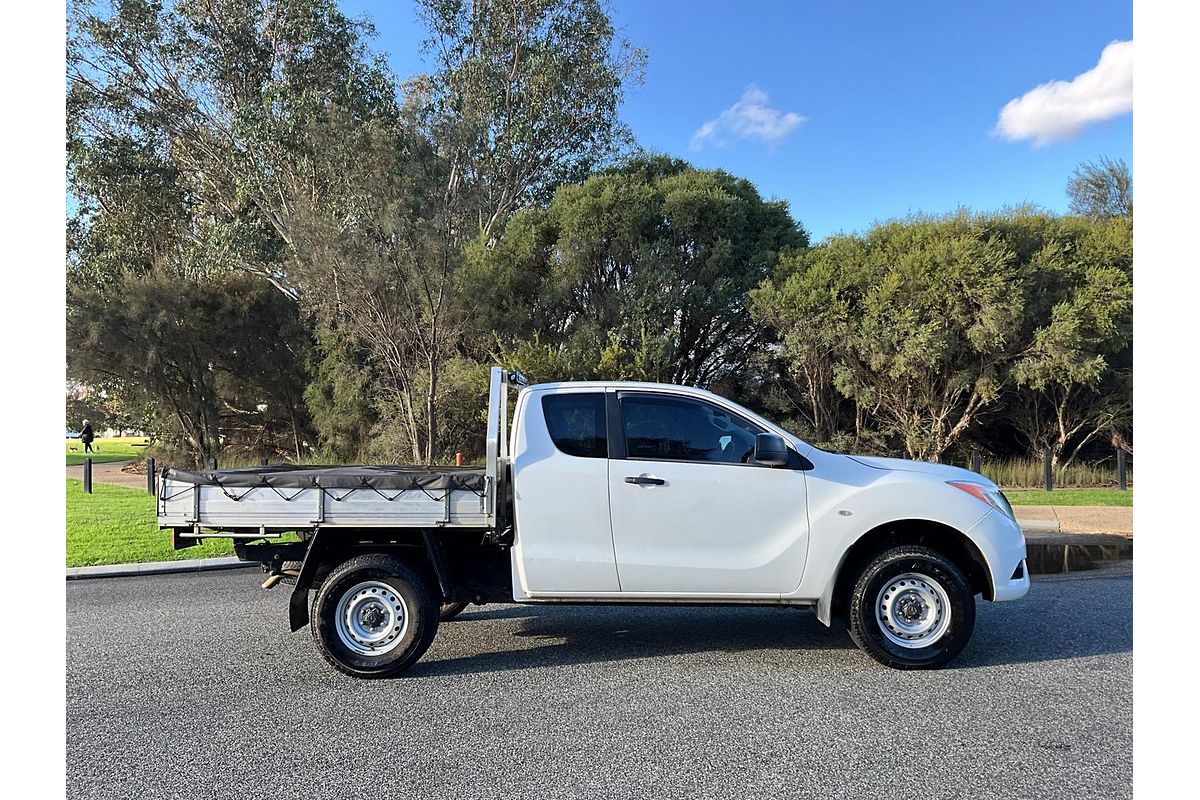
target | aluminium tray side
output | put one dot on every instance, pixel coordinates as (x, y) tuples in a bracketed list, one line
[(285, 497)]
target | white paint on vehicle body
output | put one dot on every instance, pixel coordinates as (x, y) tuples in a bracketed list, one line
[(721, 532), (562, 502)]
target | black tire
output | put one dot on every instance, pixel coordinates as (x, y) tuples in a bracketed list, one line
[(449, 611), (882, 571), (417, 634)]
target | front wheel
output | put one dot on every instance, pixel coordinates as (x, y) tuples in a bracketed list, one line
[(374, 616), (911, 608)]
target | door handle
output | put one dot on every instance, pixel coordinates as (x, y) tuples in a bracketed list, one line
[(642, 480)]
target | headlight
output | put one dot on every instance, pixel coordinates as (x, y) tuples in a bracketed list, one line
[(993, 497)]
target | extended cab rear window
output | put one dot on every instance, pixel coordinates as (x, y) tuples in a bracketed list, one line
[(577, 423)]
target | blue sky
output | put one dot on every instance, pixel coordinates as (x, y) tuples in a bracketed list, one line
[(872, 110)]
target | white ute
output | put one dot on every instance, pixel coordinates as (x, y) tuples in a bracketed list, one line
[(611, 492)]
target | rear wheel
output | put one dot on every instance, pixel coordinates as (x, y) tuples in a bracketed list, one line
[(449, 611), (374, 616), (911, 608)]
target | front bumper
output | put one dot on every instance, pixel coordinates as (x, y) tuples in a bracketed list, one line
[(999, 538)]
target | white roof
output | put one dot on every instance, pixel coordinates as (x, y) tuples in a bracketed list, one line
[(675, 387)]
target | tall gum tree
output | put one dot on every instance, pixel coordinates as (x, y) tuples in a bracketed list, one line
[(648, 264)]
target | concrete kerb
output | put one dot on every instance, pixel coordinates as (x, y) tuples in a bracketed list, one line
[(156, 568), (1041, 519)]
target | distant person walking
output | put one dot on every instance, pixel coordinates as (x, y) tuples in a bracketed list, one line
[(86, 436)]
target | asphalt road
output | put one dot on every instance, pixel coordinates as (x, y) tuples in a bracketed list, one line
[(191, 686)]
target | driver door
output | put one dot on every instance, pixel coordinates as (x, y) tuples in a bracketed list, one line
[(692, 513)]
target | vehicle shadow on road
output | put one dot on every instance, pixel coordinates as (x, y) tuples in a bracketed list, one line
[(1071, 619), (477, 613), (570, 635)]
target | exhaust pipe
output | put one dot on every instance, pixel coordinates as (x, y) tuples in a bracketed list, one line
[(275, 577)]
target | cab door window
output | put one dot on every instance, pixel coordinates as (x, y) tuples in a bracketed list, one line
[(658, 427)]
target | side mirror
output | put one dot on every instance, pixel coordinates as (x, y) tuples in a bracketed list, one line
[(770, 450)]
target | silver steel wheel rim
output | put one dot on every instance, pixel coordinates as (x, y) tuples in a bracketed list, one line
[(371, 618), (913, 610)]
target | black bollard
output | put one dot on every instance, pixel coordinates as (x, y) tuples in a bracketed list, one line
[(1122, 476), (87, 475), (1048, 470), (150, 486), (976, 460)]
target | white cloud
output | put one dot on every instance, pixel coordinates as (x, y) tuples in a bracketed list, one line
[(748, 118), (1059, 110)]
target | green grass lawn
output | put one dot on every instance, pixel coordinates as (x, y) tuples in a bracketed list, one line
[(1069, 497), (122, 448), (116, 525)]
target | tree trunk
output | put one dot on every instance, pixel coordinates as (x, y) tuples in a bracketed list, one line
[(295, 432), (414, 430), (431, 412)]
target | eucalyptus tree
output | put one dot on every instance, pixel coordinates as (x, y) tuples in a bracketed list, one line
[(214, 363), (1101, 189), (1074, 377), (265, 136), (186, 146), (918, 319), (809, 306), (524, 96), (221, 94), (931, 327), (641, 272)]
